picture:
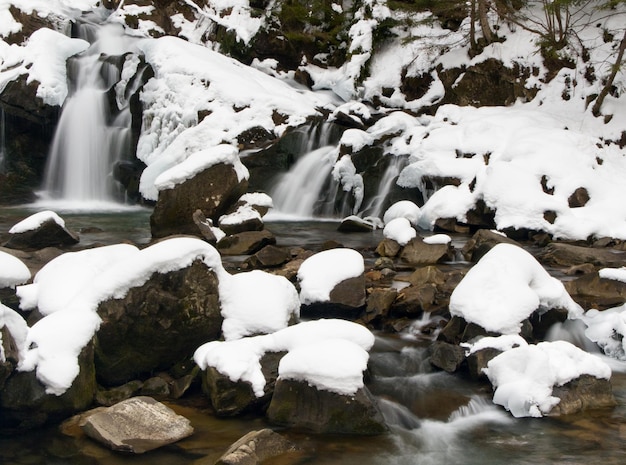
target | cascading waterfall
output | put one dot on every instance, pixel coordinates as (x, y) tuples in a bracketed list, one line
[(89, 139), (376, 205)]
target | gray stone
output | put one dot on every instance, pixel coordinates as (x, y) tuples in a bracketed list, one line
[(567, 255), (448, 357), (592, 291), (585, 392), (417, 252), (256, 447), (346, 300), (137, 425)]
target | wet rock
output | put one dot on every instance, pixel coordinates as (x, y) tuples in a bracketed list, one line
[(482, 242), (592, 291), (49, 234), (269, 256), (417, 253), (388, 248), (357, 224), (448, 357), (567, 255), (157, 324), (413, 301), (137, 425), (245, 243), (108, 397), (347, 300), (297, 404), (244, 218), (379, 302), (585, 392), (24, 403), (477, 361), (230, 398), (255, 448), (213, 191)]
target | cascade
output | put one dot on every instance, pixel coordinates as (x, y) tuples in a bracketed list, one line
[(377, 204), (89, 138)]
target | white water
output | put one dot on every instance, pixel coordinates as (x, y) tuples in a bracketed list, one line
[(89, 140), (376, 205)]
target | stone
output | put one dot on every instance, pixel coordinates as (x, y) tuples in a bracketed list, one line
[(212, 191), (592, 291), (568, 255), (482, 242), (478, 360), (379, 302), (269, 256), (388, 248), (256, 447), (157, 324), (245, 243), (108, 397), (230, 398), (583, 393), (156, 386), (448, 357), (417, 253), (298, 405), (204, 225), (48, 234), (137, 425), (346, 300), (413, 301), (579, 198), (244, 219), (355, 224)]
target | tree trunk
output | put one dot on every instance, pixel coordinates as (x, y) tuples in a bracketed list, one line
[(609, 83), (484, 21)]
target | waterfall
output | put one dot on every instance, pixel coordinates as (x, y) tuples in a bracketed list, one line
[(376, 206), (89, 139)]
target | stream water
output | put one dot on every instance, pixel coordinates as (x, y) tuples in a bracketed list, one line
[(434, 417)]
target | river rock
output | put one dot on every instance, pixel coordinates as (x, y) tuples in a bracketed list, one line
[(213, 191), (567, 255), (157, 324), (245, 243), (244, 218), (448, 357), (413, 301), (477, 361), (137, 425), (347, 300), (593, 291), (388, 248), (24, 403), (255, 448), (49, 234), (379, 302), (482, 242), (269, 256), (109, 397), (230, 398), (299, 405), (585, 392), (417, 252)]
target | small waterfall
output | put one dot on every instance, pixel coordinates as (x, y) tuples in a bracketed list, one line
[(376, 206), (89, 139)]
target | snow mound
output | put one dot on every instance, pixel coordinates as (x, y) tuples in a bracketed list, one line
[(35, 221), (608, 330), (400, 230), (12, 271)]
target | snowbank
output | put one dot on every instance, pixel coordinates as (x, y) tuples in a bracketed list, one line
[(240, 359), (12, 271), (319, 274), (505, 287), (523, 377), (402, 209)]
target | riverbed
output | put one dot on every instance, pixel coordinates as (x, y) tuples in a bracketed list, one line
[(434, 417)]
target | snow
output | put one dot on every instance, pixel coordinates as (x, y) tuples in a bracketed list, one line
[(200, 161), (505, 287), (239, 359), (523, 377), (608, 329), (319, 274), (258, 199), (438, 239), (35, 221), (501, 343), (400, 230), (616, 274), (344, 172), (403, 208), (256, 302), (12, 271), (16, 326), (242, 214)]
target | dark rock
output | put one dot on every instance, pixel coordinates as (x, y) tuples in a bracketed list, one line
[(579, 198), (451, 225), (355, 224), (413, 301), (108, 397), (269, 256), (379, 302), (204, 225), (24, 403), (567, 255), (230, 398), (157, 324), (592, 291), (297, 404), (156, 386), (137, 425), (448, 357), (482, 242), (48, 234), (245, 243), (212, 191), (585, 392), (452, 332), (478, 360), (250, 223), (257, 447), (417, 252), (347, 300)]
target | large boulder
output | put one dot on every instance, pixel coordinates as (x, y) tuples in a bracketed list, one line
[(212, 190), (299, 405), (41, 230), (137, 425), (567, 255), (157, 324)]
